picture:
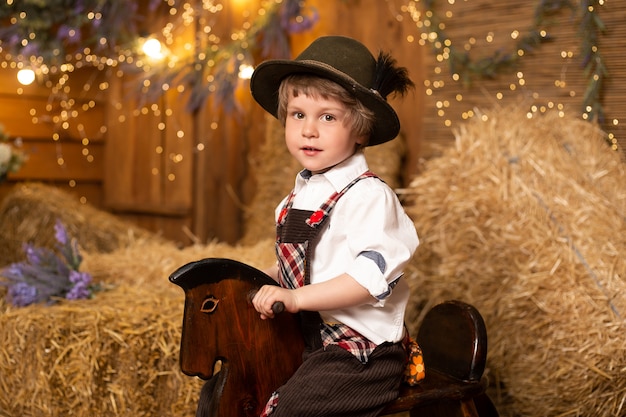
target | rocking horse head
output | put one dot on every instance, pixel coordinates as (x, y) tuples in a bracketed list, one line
[(225, 342)]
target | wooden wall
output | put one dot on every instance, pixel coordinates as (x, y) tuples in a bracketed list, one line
[(70, 157)]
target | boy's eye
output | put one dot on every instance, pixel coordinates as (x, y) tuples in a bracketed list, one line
[(328, 117), (298, 115)]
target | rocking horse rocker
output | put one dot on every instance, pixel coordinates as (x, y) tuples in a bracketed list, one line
[(244, 359)]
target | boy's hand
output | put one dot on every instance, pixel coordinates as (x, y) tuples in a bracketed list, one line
[(265, 300)]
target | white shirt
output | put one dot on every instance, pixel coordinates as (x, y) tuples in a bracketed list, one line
[(367, 231)]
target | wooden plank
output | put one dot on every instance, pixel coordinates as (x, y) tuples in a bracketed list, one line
[(141, 156), (208, 175), (180, 146), (34, 117), (83, 83), (62, 160), (134, 151), (148, 166), (216, 210), (117, 181)]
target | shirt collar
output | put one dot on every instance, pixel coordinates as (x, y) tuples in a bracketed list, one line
[(340, 175)]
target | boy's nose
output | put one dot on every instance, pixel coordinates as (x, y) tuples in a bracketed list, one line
[(309, 129)]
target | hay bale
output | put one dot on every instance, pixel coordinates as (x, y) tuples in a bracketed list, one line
[(116, 354), (525, 219), (29, 211), (275, 170)]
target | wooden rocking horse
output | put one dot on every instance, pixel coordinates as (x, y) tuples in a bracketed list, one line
[(244, 359)]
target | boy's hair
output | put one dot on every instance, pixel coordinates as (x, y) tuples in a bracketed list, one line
[(360, 118)]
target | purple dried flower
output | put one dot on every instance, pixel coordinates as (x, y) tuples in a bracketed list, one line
[(80, 289), (78, 292), (80, 278), (14, 40), (60, 234), (68, 33), (68, 247), (33, 255), (45, 260), (21, 294), (46, 274), (14, 272), (31, 49), (293, 20)]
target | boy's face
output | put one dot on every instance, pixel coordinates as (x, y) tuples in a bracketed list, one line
[(315, 132)]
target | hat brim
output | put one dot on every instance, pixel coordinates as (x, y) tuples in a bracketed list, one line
[(268, 75)]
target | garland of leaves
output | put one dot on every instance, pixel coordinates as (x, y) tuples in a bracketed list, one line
[(591, 27), (488, 67), (213, 70), (57, 32), (51, 32)]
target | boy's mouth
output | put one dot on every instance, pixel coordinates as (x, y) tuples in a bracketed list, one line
[(310, 149)]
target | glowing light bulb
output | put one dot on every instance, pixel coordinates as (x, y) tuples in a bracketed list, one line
[(245, 71), (152, 48), (26, 76)]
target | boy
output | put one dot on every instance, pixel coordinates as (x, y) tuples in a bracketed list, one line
[(343, 238)]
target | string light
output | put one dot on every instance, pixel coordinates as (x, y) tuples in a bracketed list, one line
[(245, 71), (152, 48), (455, 61), (26, 76)]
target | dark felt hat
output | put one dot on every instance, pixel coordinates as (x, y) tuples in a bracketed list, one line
[(342, 60)]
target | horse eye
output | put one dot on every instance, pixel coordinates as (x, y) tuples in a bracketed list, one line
[(209, 304)]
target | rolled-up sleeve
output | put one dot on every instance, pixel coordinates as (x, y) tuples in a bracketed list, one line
[(381, 238)]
